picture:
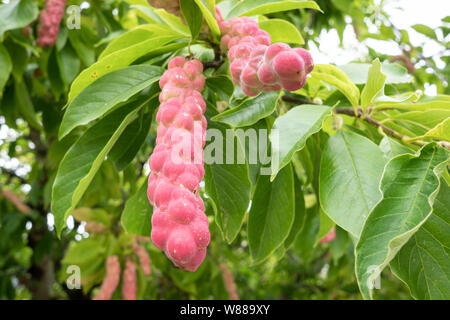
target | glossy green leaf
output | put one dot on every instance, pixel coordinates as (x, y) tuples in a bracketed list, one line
[(115, 61), (17, 14), (228, 185), (250, 111), (222, 86), (350, 171), (272, 214), (68, 64), (209, 12), (423, 262), (374, 85), (23, 102), (409, 186), (137, 215), (193, 16), (282, 31), (291, 130), (131, 140), (137, 35), (256, 7), (84, 158), (105, 93), (392, 148), (334, 76)]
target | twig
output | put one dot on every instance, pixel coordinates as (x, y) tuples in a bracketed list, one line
[(296, 100), (16, 201)]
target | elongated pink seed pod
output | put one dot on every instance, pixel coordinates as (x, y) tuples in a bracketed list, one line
[(143, 257), (330, 236), (228, 281), (111, 279), (255, 64), (50, 20), (129, 281), (179, 224)]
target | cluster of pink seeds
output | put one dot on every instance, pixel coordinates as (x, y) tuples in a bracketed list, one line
[(255, 64), (50, 19), (179, 224)]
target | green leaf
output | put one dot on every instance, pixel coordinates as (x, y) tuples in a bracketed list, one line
[(222, 86), (137, 35), (425, 30), (117, 60), (193, 16), (256, 7), (350, 171), (300, 213), (137, 215), (228, 185), (409, 185), (250, 111), (427, 118), (282, 31), (271, 215), (22, 101), (209, 12), (374, 85), (423, 262), (326, 224), (306, 239), (392, 148), (84, 50), (17, 14), (332, 75), (441, 131), (5, 67), (291, 130), (395, 73), (84, 158), (105, 93), (68, 63), (131, 140)]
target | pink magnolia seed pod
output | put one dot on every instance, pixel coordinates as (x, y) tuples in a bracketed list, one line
[(111, 279), (129, 284), (179, 225), (258, 66), (50, 19)]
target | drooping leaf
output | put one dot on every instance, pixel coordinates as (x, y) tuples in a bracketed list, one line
[(409, 186), (291, 130), (299, 215), (105, 93), (227, 183), (350, 172), (137, 215), (84, 158), (272, 214), (250, 111), (423, 262), (193, 16)]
